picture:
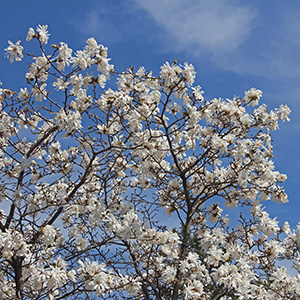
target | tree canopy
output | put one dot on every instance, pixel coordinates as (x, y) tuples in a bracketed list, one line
[(127, 185)]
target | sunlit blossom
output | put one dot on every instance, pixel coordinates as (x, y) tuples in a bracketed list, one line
[(14, 51)]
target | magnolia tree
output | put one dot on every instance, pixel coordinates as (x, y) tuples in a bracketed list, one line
[(130, 190)]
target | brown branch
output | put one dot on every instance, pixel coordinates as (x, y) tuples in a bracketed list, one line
[(21, 176)]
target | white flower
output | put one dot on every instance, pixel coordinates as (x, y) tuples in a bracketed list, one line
[(198, 93), (64, 56), (23, 94), (188, 73), (81, 244), (101, 80), (72, 275), (30, 34), (214, 255), (49, 234), (14, 51), (133, 287), (43, 33), (92, 47), (168, 275), (82, 60), (59, 84), (39, 92), (284, 112), (104, 66), (281, 177), (174, 108), (252, 96), (193, 290)]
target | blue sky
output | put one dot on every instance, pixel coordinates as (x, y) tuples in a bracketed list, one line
[(234, 45)]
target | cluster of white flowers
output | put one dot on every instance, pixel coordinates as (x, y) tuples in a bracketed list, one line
[(93, 176)]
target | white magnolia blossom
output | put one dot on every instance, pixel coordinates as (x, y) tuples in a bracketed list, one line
[(43, 35), (127, 192), (14, 51)]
